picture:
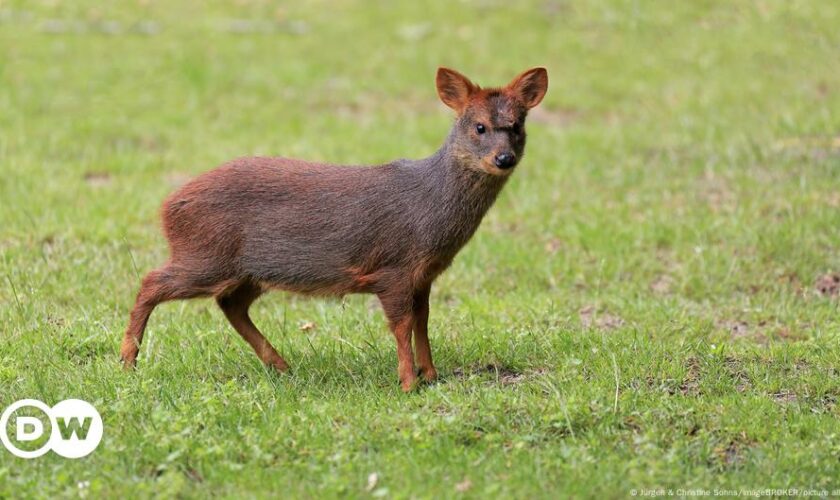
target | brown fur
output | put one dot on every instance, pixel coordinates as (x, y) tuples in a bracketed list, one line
[(256, 224)]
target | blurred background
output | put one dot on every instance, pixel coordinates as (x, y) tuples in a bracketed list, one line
[(654, 291)]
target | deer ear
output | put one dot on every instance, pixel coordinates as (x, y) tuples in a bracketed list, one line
[(530, 86), (454, 88)]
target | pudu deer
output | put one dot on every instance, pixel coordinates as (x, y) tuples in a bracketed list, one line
[(256, 224)]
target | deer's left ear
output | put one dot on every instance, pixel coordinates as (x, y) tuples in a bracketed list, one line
[(530, 86)]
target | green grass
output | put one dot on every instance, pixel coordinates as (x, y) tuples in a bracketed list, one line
[(638, 310)]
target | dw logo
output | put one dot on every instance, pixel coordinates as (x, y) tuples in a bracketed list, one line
[(75, 428)]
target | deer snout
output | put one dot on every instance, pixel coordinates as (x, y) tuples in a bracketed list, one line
[(505, 160)]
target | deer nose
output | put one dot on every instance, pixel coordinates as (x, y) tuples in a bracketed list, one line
[(504, 160)]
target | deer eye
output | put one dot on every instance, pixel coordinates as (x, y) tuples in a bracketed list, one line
[(479, 127)]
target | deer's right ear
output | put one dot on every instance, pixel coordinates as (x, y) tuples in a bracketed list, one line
[(454, 88)]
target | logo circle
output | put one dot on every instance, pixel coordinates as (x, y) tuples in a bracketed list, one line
[(4, 422), (86, 425)]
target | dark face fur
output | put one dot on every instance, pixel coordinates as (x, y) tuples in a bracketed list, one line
[(489, 134)]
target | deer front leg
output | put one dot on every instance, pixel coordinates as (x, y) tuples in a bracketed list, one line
[(421, 334), (400, 313)]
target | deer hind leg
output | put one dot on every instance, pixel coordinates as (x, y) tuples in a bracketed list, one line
[(167, 283), (235, 305)]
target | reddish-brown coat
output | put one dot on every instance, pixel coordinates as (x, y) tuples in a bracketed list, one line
[(256, 224)]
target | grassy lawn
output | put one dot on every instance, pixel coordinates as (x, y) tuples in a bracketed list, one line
[(651, 303)]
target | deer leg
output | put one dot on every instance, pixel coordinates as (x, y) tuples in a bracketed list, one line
[(235, 305), (421, 334), (398, 309), (160, 285)]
